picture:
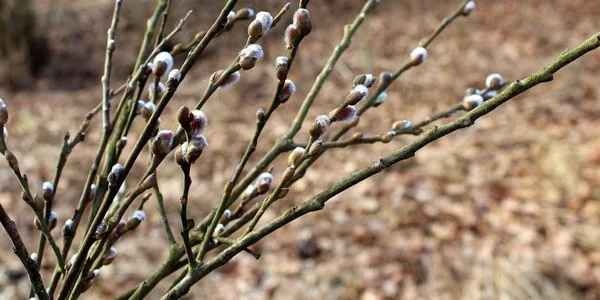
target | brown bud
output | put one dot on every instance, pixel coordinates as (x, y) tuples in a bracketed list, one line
[(12, 160), (292, 36), (385, 79), (494, 81), (47, 190), (357, 94), (264, 182), (288, 89), (250, 55), (386, 138), (365, 79), (302, 21), (401, 126), (109, 256), (52, 220), (162, 64), (244, 14), (69, 228), (296, 156), (101, 230), (315, 147), (136, 219), (346, 114), (472, 101), (198, 122), (320, 126), (190, 151), (255, 30), (116, 173), (282, 67), (162, 143), (184, 118), (260, 114)]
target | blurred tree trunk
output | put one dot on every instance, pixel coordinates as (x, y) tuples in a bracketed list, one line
[(24, 50)]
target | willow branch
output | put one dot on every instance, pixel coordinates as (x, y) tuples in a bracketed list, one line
[(318, 202)]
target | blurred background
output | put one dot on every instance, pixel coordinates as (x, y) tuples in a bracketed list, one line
[(507, 209)]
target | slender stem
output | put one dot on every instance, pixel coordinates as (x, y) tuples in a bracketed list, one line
[(163, 213), (21, 251), (185, 224)]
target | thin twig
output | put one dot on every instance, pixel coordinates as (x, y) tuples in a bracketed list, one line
[(163, 213), (21, 251)]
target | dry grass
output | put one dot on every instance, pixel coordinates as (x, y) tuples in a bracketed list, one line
[(506, 210)]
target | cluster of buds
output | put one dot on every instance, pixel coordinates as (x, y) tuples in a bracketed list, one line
[(3, 113), (250, 55), (193, 122), (260, 25), (227, 82), (191, 150), (300, 28), (474, 97), (162, 64)]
